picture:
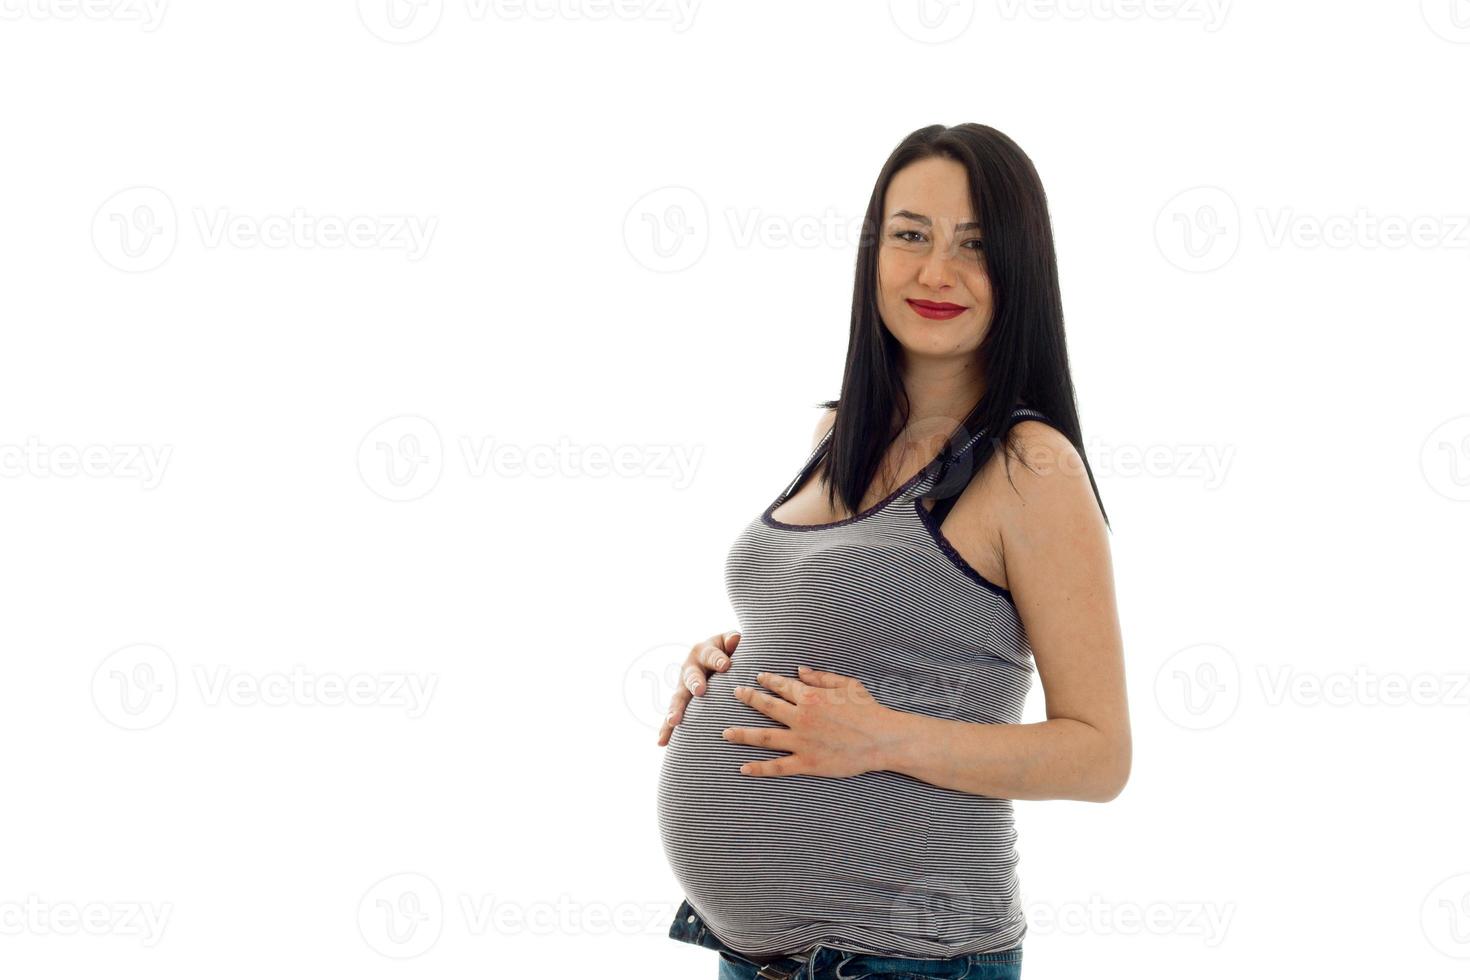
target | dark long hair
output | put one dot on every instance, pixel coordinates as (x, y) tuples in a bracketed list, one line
[(1024, 352)]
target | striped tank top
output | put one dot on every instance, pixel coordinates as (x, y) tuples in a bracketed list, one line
[(880, 863)]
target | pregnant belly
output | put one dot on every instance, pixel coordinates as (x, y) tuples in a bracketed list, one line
[(764, 855)]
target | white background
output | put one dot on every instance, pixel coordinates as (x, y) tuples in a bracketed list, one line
[(335, 494)]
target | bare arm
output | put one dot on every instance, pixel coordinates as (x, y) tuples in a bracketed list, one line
[(1059, 570)]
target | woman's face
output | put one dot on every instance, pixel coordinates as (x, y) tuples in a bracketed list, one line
[(929, 251)]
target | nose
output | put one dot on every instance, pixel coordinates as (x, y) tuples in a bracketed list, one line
[(935, 272)]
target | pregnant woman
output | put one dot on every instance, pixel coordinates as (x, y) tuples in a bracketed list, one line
[(835, 796)]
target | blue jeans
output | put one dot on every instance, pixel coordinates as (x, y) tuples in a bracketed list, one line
[(827, 963)]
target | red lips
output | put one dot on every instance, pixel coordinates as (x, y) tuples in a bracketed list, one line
[(936, 311)]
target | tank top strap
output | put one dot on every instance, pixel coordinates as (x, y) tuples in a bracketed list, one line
[(949, 490), (1016, 414), (807, 467)]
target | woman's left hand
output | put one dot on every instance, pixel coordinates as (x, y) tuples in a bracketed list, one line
[(834, 727)]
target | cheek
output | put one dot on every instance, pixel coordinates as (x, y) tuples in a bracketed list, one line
[(978, 286), (892, 269)]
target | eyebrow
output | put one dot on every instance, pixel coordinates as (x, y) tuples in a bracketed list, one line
[(921, 219)]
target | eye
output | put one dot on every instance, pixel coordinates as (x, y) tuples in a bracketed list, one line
[(899, 235), (979, 245)]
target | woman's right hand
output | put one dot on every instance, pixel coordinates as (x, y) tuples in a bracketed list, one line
[(705, 656)]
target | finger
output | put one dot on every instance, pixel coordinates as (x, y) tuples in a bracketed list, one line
[(782, 711), (780, 739), (821, 678), (731, 640), (787, 687), (676, 705), (787, 765), (666, 729), (692, 677), (675, 715), (712, 654)]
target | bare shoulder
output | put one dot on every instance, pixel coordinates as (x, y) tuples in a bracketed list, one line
[(1050, 485), (824, 425)]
